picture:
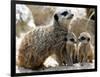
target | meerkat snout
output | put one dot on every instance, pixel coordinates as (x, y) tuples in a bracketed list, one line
[(64, 18), (68, 14), (84, 38)]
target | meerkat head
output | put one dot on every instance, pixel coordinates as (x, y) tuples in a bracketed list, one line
[(63, 18), (71, 38), (84, 37)]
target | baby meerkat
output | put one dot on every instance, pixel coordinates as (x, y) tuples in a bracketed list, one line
[(69, 53), (43, 41), (85, 48)]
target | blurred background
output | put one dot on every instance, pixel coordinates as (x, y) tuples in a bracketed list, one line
[(30, 16)]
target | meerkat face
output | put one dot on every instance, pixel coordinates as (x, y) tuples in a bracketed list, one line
[(84, 37), (64, 17), (71, 38)]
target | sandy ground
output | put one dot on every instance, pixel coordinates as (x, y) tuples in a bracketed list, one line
[(58, 68)]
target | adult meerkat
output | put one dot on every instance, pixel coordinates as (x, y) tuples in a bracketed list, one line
[(69, 53), (43, 41), (85, 48)]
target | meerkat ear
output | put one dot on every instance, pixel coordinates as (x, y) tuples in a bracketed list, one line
[(88, 39), (56, 17)]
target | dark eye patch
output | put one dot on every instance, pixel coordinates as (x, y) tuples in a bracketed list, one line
[(88, 39), (83, 38), (72, 40), (65, 39), (64, 13), (56, 17)]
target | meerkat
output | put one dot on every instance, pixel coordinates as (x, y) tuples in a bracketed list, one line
[(86, 51), (43, 41), (69, 53)]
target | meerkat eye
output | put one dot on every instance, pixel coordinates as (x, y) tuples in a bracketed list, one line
[(72, 40), (64, 13), (88, 39), (65, 39), (82, 38)]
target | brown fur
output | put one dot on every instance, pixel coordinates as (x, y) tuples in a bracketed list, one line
[(86, 50), (42, 42), (69, 53)]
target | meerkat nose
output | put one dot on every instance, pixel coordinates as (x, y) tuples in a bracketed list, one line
[(72, 15), (75, 42), (79, 40)]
